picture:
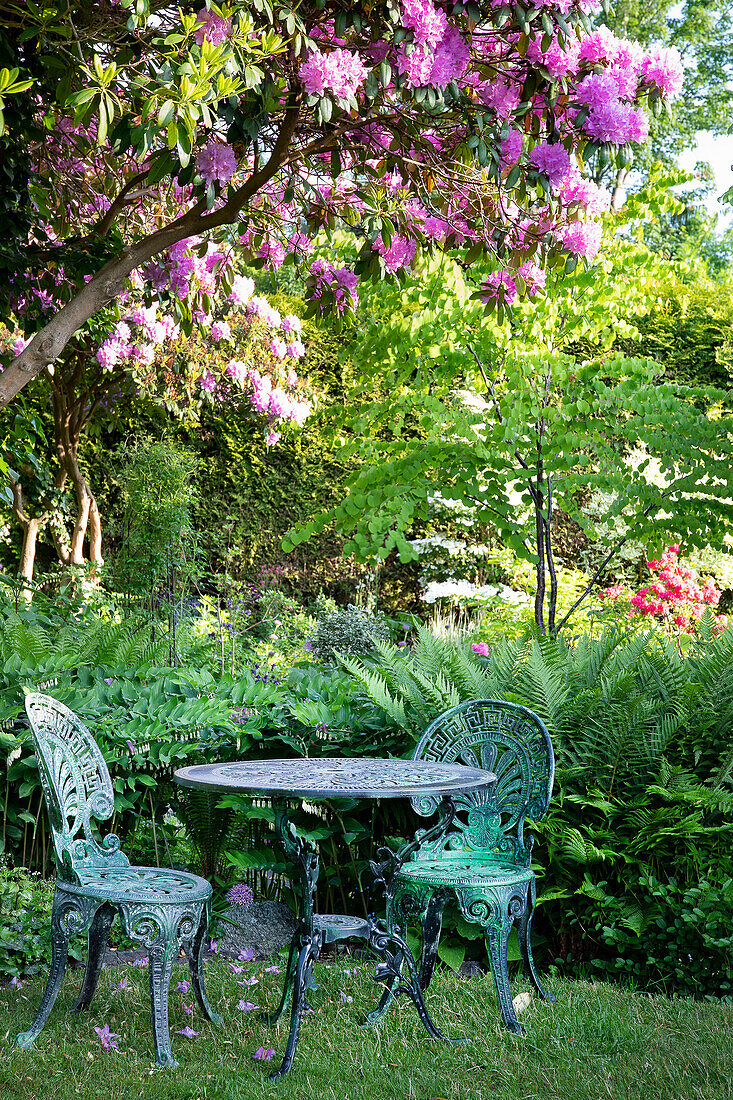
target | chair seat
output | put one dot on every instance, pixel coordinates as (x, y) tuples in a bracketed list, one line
[(464, 869), (144, 884)]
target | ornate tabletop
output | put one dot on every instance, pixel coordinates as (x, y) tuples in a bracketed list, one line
[(336, 777)]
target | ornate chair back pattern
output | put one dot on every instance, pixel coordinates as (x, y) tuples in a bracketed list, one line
[(504, 738), (77, 787)]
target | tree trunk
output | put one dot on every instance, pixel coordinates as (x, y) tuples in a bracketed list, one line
[(32, 526), (28, 555)]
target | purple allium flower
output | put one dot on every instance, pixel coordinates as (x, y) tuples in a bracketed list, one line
[(108, 1039), (187, 1032), (262, 1055), (240, 894)]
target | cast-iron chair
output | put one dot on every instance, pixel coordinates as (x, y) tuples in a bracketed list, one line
[(164, 910), (484, 860)]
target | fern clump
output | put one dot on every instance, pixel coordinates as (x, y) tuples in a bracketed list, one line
[(350, 632)]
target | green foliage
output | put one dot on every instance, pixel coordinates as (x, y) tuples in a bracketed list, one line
[(25, 922), (507, 418), (156, 479)]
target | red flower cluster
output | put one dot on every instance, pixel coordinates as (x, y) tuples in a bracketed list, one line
[(675, 597)]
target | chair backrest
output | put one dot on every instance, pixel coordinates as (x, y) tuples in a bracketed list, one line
[(500, 737), (77, 787)]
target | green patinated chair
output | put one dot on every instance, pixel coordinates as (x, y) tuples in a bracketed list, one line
[(163, 910), (484, 860)]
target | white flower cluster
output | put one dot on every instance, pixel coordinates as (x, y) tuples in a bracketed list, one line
[(452, 546), (455, 590)]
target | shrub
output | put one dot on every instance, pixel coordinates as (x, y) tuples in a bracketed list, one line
[(351, 632)]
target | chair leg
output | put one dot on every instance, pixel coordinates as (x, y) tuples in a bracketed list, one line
[(63, 919), (432, 922), (161, 959), (97, 945), (524, 935), (497, 939), (195, 953)]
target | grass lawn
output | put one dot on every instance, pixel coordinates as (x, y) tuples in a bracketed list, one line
[(598, 1041)]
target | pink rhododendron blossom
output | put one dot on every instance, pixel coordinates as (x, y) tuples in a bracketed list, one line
[(278, 348), (618, 123), (503, 97), (216, 161), (400, 253), (212, 27), (552, 160), (270, 439), (601, 45), (499, 284), (428, 23), (481, 648), (416, 65), (20, 345), (237, 370), (242, 290), (291, 323), (578, 188), (663, 67), (220, 331), (340, 282), (295, 349), (450, 60), (511, 148), (273, 252), (340, 71), (582, 238), (207, 382), (560, 61)]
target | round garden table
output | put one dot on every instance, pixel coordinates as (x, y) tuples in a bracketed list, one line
[(433, 784)]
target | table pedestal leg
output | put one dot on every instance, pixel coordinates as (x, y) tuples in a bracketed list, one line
[(306, 945)]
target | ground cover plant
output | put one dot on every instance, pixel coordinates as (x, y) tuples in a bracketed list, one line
[(597, 1040)]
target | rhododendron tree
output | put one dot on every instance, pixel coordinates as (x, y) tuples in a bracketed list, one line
[(419, 125), (676, 598)]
